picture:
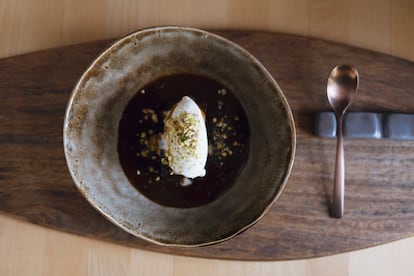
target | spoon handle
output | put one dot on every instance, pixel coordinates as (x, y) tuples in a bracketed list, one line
[(337, 208)]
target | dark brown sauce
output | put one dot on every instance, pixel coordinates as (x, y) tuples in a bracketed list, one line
[(227, 129)]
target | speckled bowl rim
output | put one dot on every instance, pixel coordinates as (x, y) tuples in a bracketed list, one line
[(284, 101)]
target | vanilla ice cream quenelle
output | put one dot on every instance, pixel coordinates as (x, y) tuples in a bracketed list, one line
[(184, 140)]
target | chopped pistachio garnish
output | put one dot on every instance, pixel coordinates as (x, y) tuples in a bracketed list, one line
[(183, 133)]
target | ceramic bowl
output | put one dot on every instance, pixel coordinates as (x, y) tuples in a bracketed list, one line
[(103, 91)]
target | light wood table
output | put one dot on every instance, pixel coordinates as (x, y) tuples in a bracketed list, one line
[(25, 26)]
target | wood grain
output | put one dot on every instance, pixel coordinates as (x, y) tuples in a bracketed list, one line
[(37, 251), (35, 184), (381, 25), (26, 249)]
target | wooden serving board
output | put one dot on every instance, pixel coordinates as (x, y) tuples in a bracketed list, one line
[(35, 184)]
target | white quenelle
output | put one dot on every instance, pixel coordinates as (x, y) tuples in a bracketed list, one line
[(184, 140)]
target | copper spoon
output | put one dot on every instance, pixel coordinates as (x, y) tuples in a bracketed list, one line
[(341, 88)]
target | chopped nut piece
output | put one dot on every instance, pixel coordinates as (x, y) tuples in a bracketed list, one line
[(222, 91), (154, 118)]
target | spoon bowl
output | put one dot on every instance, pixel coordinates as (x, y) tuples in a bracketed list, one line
[(342, 85)]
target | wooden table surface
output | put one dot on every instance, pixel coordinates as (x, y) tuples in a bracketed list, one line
[(25, 249)]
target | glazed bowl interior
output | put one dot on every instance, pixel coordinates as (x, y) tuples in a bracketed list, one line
[(101, 95)]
